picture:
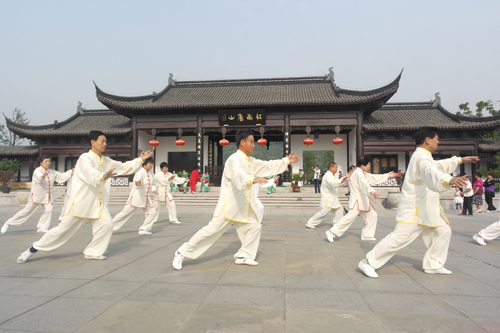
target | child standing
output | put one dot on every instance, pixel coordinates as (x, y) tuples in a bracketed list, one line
[(458, 201)]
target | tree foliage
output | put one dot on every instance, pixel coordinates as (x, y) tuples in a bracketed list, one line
[(481, 107), (10, 165), (7, 138)]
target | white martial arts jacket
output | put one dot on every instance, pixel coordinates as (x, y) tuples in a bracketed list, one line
[(140, 196), (161, 184), (329, 190), (424, 179), (41, 189), (236, 197), (361, 190), (90, 193)]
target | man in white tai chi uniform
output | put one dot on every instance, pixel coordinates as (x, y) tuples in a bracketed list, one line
[(89, 201), (419, 211), (162, 187), (67, 195), (140, 197), (41, 195), (237, 203), (329, 197), (489, 233), (359, 201)]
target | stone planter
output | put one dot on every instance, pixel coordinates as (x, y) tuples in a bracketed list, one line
[(296, 189), (393, 199), (23, 197), (4, 189)]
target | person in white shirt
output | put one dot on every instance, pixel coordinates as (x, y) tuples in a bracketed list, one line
[(237, 204), (89, 201), (140, 197), (467, 193), (41, 196), (329, 197), (359, 201), (419, 211), (317, 172), (162, 184), (458, 200), (67, 195)]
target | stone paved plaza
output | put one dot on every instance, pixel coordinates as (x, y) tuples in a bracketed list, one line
[(302, 283)]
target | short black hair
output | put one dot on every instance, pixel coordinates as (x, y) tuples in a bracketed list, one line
[(352, 167), (479, 174), (44, 157), (148, 160), (363, 160), (163, 164), (242, 135), (424, 133), (331, 164), (93, 135)]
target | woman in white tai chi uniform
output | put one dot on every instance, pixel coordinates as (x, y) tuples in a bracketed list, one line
[(41, 196), (89, 201), (329, 197), (237, 204), (359, 201), (419, 211)]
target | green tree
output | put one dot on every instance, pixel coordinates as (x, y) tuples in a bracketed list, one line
[(8, 138), (481, 106), (8, 168)]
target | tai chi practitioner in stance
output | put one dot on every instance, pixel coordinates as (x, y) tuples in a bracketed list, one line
[(89, 201), (162, 184), (419, 211), (141, 196), (205, 180), (489, 233), (67, 195), (185, 175), (41, 195), (329, 197), (237, 204), (359, 201), (195, 178)]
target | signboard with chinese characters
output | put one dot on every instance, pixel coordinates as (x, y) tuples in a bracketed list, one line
[(242, 117)]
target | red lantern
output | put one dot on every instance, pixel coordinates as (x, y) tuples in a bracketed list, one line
[(180, 143), (223, 143), (337, 141), (262, 142), (154, 144), (308, 142)]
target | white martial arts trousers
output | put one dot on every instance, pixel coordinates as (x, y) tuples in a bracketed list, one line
[(369, 217), (102, 229), (65, 208), (491, 232), (437, 241), (172, 211), (318, 217), (248, 233), (123, 216), (24, 214)]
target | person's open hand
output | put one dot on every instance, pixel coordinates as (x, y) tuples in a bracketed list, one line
[(293, 159), (393, 174), (459, 181), (108, 174), (470, 159), (138, 183), (146, 154), (259, 180), (376, 195)]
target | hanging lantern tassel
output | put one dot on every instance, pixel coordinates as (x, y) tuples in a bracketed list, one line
[(262, 142), (308, 142), (154, 143), (180, 143), (223, 143), (337, 141)]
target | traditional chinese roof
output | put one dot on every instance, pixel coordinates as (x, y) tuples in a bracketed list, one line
[(490, 146), (299, 91), (18, 150), (106, 121), (411, 116)]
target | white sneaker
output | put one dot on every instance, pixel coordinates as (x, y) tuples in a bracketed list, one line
[(367, 269), (145, 232), (368, 238), (177, 263), (86, 257), (23, 257), (176, 222), (4, 228), (479, 239), (477, 211), (488, 211), (245, 261), (42, 230), (310, 226), (441, 270), (329, 236)]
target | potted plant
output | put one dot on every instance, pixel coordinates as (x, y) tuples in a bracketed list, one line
[(8, 169), (295, 185), (5, 178)]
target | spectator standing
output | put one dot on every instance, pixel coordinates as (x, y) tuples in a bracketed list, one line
[(477, 199), (467, 193), (458, 200), (316, 179), (489, 192)]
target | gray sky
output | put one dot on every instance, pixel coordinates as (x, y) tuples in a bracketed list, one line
[(52, 50)]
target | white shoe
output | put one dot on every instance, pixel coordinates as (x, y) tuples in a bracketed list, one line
[(479, 239), (86, 257), (367, 269), (329, 236), (441, 270), (145, 232), (488, 211), (310, 226), (477, 211), (4, 228), (176, 222), (368, 238), (245, 261), (23, 257), (42, 230), (177, 263)]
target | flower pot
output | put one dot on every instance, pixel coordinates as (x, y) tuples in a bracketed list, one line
[(296, 189), (4, 189), (393, 199)]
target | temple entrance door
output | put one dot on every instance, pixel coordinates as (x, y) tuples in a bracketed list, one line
[(178, 161)]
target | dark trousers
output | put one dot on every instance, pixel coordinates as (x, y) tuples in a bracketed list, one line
[(489, 200), (467, 205), (316, 186)]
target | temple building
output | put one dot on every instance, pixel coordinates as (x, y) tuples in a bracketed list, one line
[(197, 115)]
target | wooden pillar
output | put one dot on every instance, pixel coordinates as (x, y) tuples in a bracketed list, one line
[(473, 165), (199, 145), (286, 143), (359, 139), (135, 138)]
